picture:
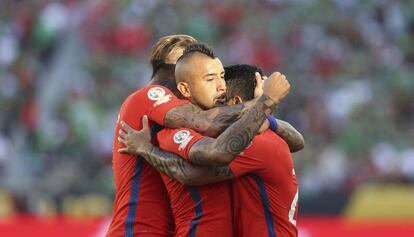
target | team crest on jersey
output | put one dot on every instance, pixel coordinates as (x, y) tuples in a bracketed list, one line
[(182, 137), (156, 93)]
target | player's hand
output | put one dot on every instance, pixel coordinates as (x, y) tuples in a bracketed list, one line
[(276, 87), (135, 142), (258, 91)]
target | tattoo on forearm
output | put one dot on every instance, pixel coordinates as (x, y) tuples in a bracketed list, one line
[(177, 168), (292, 137), (221, 171), (238, 136), (235, 138), (211, 122), (223, 117), (165, 162), (184, 116)]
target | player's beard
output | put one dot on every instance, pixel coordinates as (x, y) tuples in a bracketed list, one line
[(220, 100)]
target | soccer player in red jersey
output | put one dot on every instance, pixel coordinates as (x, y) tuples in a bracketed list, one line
[(139, 188), (266, 194), (141, 206)]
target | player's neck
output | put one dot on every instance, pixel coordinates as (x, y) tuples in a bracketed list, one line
[(164, 72), (164, 76)]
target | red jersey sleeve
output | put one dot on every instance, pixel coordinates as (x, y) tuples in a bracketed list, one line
[(164, 100), (178, 141)]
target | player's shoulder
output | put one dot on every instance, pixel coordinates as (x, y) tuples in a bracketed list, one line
[(263, 143), (275, 145), (151, 93), (270, 137), (264, 139)]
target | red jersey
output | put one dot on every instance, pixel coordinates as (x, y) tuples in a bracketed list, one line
[(265, 196), (141, 206), (203, 211)]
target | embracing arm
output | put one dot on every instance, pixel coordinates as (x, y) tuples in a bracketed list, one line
[(222, 150), (172, 165), (208, 122), (293, 138), (181, 170)]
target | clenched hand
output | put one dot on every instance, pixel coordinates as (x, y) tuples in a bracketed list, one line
[(276, 87)]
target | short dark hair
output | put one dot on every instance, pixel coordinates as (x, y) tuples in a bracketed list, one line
[(241, 81), (197, 48)]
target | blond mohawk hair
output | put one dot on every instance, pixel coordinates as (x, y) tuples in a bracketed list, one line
[(164, 49)]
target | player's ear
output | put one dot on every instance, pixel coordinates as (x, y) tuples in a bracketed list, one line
[(235, 100), (238, 100), (184, 89)]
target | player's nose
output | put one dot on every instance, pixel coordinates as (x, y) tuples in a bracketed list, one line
[(221, 85)]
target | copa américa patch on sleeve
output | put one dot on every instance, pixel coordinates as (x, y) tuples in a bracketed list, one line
[(182, 137), (178, 141), (158, 95)]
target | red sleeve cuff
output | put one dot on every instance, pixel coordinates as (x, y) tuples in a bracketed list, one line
[(178, 141), (164, 101)]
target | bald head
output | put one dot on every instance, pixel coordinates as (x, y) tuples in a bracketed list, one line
[(187, 68), (194, 56)]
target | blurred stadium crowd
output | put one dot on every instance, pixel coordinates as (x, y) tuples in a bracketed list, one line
[(66, 66)]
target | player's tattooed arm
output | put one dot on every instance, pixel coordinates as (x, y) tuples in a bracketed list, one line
[(222, 150), (172, 165), (209, 122), (293, 138), (181, 170)]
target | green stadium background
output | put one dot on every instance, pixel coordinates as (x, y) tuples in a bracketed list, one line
[(66, 66)]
